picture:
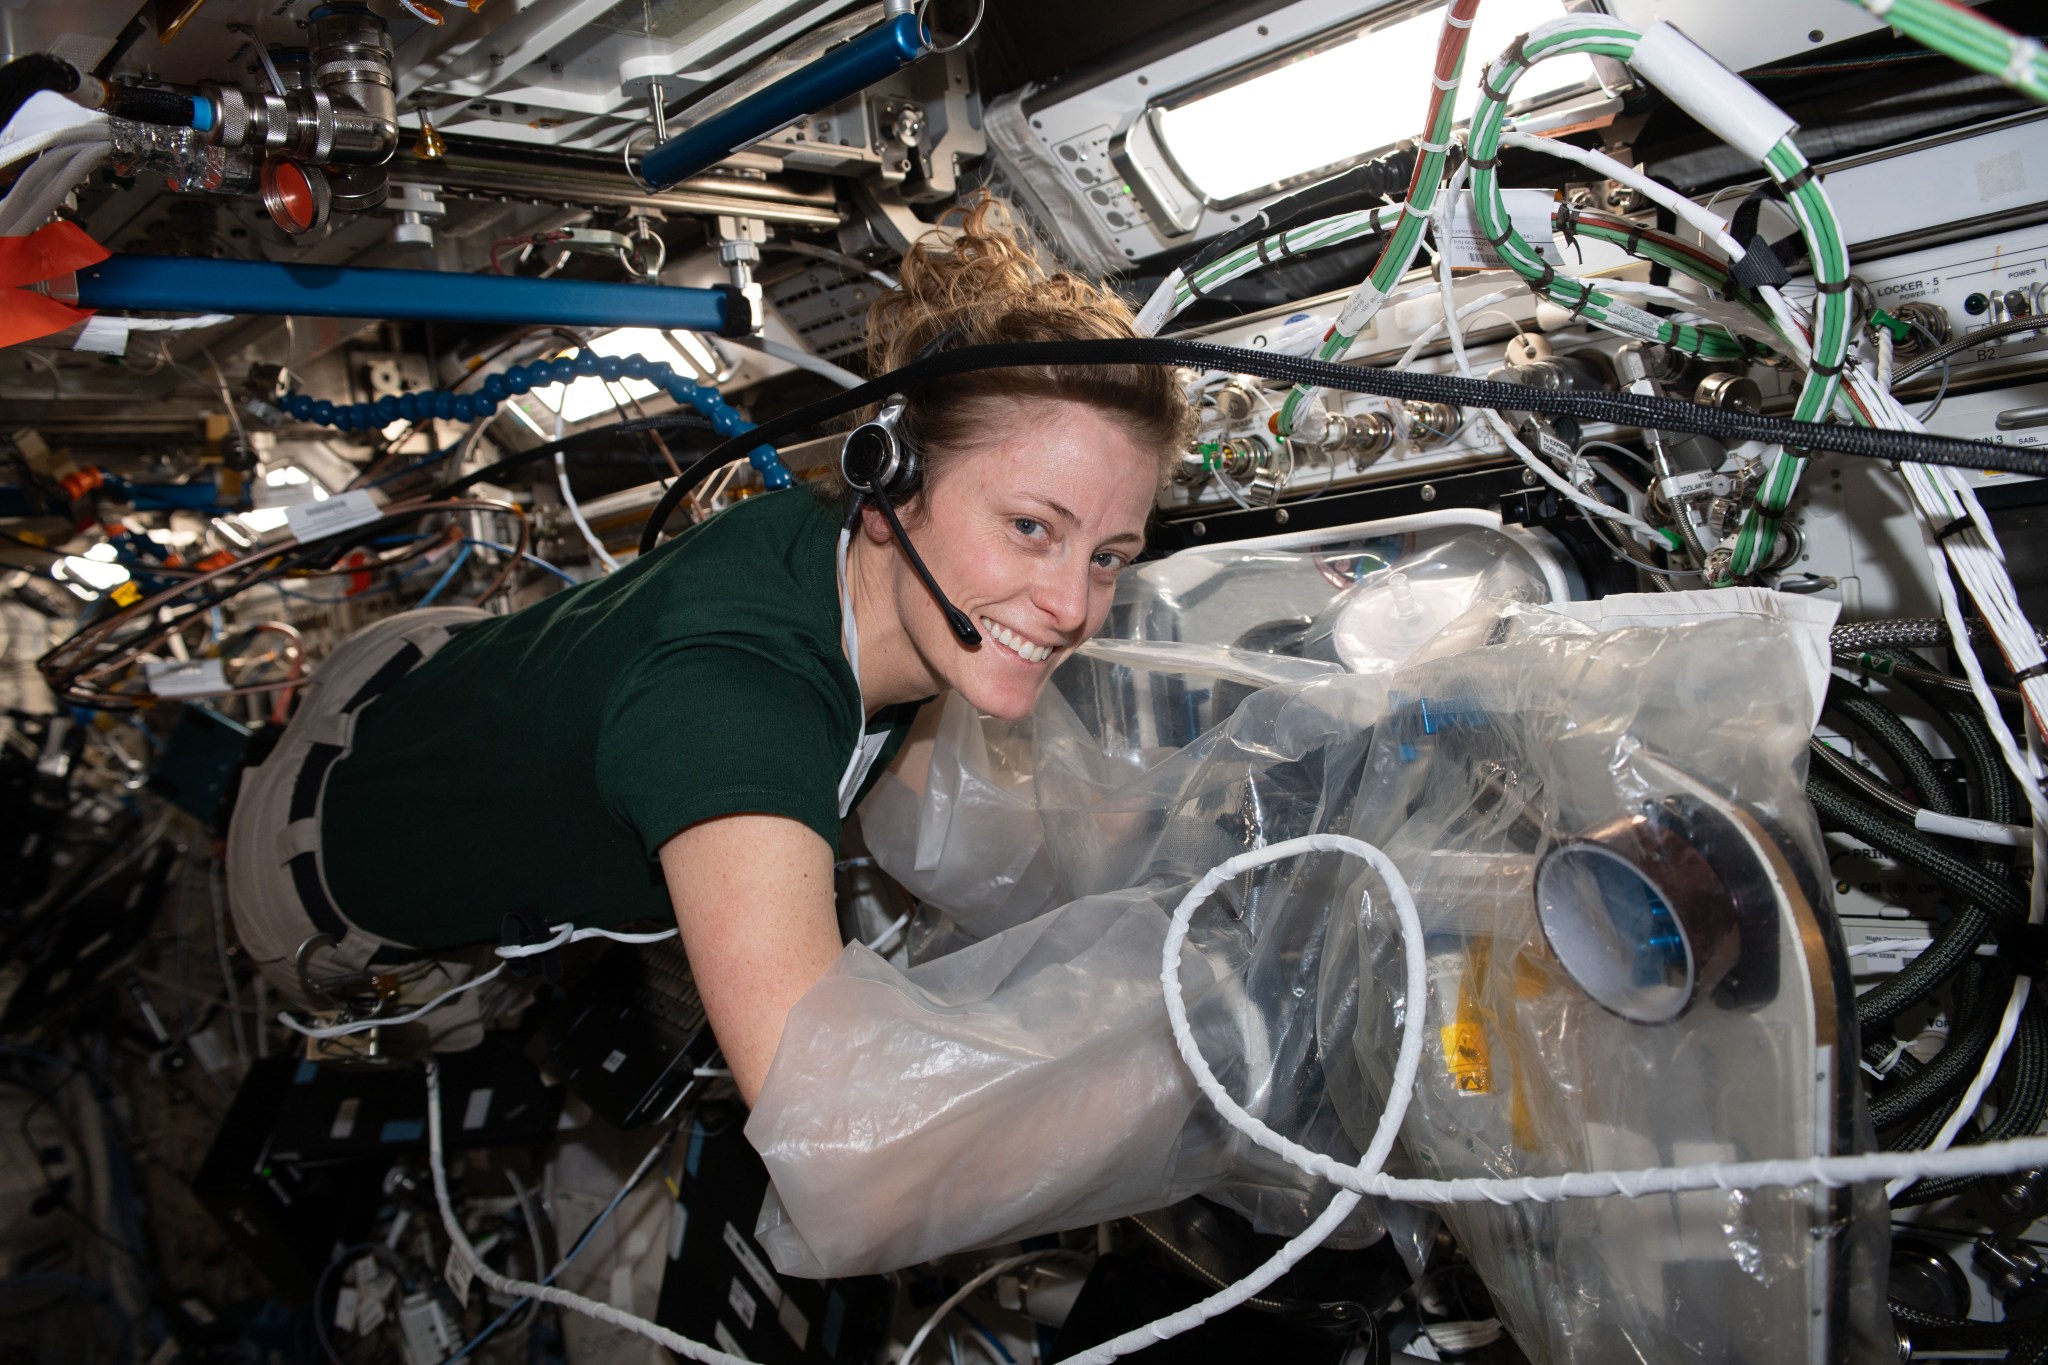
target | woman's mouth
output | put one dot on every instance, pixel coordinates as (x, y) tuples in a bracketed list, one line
[(1027, 651)]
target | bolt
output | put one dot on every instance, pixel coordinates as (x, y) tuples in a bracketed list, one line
[(1528, 478), (554, 68), (1280, 516), (497, 59), (1428, 493), (1198, 530)]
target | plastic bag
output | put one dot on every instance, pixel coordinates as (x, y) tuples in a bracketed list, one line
[(968, 842), (1022, 1085), (1614, 810), (1029, 1083)]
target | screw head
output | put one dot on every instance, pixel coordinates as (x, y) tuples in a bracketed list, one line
[(1428, 493), (1198, 530), (1280, 515)]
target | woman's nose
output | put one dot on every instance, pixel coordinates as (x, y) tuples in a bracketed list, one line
[(1062, 592)]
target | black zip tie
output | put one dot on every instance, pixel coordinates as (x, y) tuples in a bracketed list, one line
[(1799, 180), (1832, 287), (1827, 371), (1635, 238), (1259, 245), (1498, 242), (1578, 308), (1195, 290), (2030, 672), (1956, 527), (1542, 284), (1487, 164)]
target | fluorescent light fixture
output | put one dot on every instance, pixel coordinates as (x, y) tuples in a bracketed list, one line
[(95, 569), (1345, 99), (588, 396)]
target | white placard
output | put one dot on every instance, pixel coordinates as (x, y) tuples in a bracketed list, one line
[(742, 1303), (736, 1243), (342, 512), (345, 1310), (266, 494), (185, 677), (1529, 213), (458, 1273), (478, 1109)]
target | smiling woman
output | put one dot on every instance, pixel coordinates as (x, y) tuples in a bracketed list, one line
[(695, 727)]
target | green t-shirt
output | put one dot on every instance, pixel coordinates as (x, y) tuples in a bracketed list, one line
[(539, 760)]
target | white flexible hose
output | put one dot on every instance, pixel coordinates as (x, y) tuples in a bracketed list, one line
[(461, 1250)]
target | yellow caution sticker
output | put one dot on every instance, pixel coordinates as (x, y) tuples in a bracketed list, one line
[(1465, 1057), (126, 594)]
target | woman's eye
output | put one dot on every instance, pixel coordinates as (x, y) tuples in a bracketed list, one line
[(1109, 562), (1027, 527)]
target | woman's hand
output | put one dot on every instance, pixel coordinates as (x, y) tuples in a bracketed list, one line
[(753, 898)]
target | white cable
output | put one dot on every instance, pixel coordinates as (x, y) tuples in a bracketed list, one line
[(803, 360), (362, 1025), (886, 940), (43, 186), (1158, 309), (1452, 313), (460, 1249), (960, 1295), (557, 936), (597, 548), (1407, 1063), (2009, 1022), (1980, 831)]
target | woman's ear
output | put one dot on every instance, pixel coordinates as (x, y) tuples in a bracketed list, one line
[(874, 525)]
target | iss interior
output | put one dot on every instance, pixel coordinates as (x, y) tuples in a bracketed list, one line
[(1540, 863)]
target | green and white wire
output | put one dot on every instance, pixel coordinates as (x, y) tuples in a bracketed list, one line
[(1541, 467), (1177, 292), (1976, 42)]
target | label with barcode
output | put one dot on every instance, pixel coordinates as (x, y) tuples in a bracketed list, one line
[(185, 677), (1529, 214), (342, 512)]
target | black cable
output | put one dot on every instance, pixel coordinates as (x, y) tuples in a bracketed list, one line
[(667, 421), (1883, 727), (2026, 1104), (1901, 841), (1933, 1329), (24, 76), (1964, 343), (1620, 409), (2031, 1349), (1958, 1061), (1369, 180), (1994, 795)]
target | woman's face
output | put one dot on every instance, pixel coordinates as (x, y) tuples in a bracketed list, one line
[(1026, 535)]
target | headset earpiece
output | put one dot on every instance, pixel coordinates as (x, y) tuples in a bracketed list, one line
[(876, 459)]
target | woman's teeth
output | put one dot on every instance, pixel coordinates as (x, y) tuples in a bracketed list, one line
[(1016, 643)]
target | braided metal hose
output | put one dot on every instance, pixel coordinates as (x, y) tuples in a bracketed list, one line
[(2026, 1104)]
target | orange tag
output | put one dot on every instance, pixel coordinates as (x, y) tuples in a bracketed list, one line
[(126, 594)]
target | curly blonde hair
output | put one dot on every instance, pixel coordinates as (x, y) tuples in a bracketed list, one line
[(986, 283)]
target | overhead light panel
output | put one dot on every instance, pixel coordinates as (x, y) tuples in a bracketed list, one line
[(1343, 99)]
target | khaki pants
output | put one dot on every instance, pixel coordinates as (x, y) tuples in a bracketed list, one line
[(277, 887)]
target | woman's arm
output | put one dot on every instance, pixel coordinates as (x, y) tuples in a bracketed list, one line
[(753, 898)]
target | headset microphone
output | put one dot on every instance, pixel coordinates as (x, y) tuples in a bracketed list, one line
[(874, 461)]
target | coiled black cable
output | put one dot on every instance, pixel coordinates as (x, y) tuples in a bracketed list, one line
[(1898, 743), (1896, 839), (1621, 409), (2025, 1074), (1975, 1023), (1932, 1329)]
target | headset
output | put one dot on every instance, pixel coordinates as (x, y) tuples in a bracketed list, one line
[(878, 462)]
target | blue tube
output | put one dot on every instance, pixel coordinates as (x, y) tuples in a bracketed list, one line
[(191, 284), (844, 71)]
